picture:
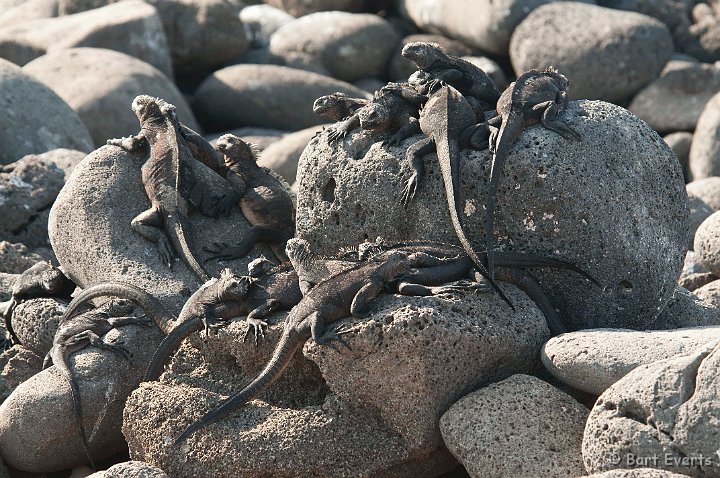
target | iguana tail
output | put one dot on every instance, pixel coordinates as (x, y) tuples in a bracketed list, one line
[(176, 227), (517, 260), (289, 343), (150, 305), (530, 286), (169, 345)]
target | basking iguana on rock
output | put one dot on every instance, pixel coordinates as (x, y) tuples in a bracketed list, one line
[(439, 68), (538, 96), (41, 280), (394, 107), (338, 106), (264, 201), (445, 119), (168, 182), (77, 332), (348, 293)]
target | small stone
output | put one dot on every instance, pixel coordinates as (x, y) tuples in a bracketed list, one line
[(264, 95), (130, 469), (707, 243), (261, 21), (680, 143), (282, 156), (695, 281), (709, 293), (635, 48), (16, 258), (699, 211), (521, 426), (351, 46), (707, 190), (299, 8), (705, 145), (35, 119), (401, 68), (17, 365)]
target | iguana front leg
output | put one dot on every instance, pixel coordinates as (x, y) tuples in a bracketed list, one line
[(414, 157), (360, 306), (340, 130), (256, 319), (149, 224), (130, 143)]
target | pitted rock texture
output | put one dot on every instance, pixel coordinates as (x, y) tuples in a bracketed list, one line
[(707, 243), (16, 258), (620, 213), (100, 85), (707, 190), (65, 159), (668, 409), (28, 188), (695, 281), (130, 469), (35, 119), (264, 95), (37, 424), (709, 293), (699, 212), (350, 46), (593, 360), (132, 27), (686, 309), (17, 364), (90, 229), (705, 146), (636, 473), (387, 394), (606, 54), (675, 100), (520, 427), (35, 322)]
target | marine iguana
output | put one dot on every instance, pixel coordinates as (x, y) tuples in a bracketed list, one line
[(444, 119), (338, 106), (441, 69), (537, 96), (167, 182), (348, 293), (264, 201), (76, 333), (41, 280)]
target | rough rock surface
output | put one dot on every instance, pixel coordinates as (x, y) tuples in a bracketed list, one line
[(35, 322), (28, 188), (695, 281), (37, 425), (303, 7), (705, 146), (90, 229), (35, 119), (707, 190), (264, 95), (668, 409), (18, 364), (130, 469), (629, 232), (634, 48), (375, 426), (636, 473), (709, 293), (685, 309), (675, 100), (100, 85), (351, 46), (520, 417), (707, 243), (699, 212), (132, 27), (282, 156), (593, 360), (680, 142), (16, 258), (485, 24)]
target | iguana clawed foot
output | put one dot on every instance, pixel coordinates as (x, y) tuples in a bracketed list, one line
[(336, 133), (257, 328), (167, 256), (410, 190), (117, 347), (221, 251), (461, 286), (335, 335), (214, 323)]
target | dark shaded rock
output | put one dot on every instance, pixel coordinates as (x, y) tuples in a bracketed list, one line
[(350, 46), (672, 13), (680, 143), (707, 190), (28, 188), (699, 211), (629, 232), (282, 156), (401, 68), (35, 119), (705, 148), (16, 258), (370, 85), (634, 49), (522, 416), (264, 95), (685, 309), (132, 27), (675, 100), (695, 281), (701, 39)]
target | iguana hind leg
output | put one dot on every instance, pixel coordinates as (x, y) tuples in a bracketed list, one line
[(410, 129), (256, 319), (326, 337), (267, 235), (149, 224), (549, 120), (414, 156), (142, 321)]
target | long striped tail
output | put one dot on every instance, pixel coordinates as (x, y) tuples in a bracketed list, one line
[(177, 227), (168, 345)]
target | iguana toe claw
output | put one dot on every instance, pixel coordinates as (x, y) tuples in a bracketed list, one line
[(257, 328)]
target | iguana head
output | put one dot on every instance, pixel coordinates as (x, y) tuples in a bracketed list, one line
[(258, 267), (54, 282), (233, 286), (117, 307), (297, 249), (326, 104), (423, 54), (235, 149), (151, 109), (374, 116)]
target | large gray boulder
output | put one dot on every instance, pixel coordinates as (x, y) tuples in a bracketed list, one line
[(100, 85), (620, 213), (282, 156), (706, 144), (634, 49), (35, 119)]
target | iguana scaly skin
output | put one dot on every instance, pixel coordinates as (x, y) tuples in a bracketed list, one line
[(535, 97), (338, 106), (264, 201), (439, 68), (76, 333), (444, 119), (165, 178), (41, 280), (348, 293)]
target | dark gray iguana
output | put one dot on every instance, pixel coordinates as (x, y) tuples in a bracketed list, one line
[(537, 96), (338, 106), (168, 182), (41, 280), (264, 201), (445, 120)]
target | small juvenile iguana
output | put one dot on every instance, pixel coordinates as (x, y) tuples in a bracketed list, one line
[(264, 201), (472, 82), (537, 96), (41, 280), (76, 333), (166, 179), (338, 106), (444, 119), (348, 293)]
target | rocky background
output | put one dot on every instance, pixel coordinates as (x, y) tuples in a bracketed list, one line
[(451, 385)]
